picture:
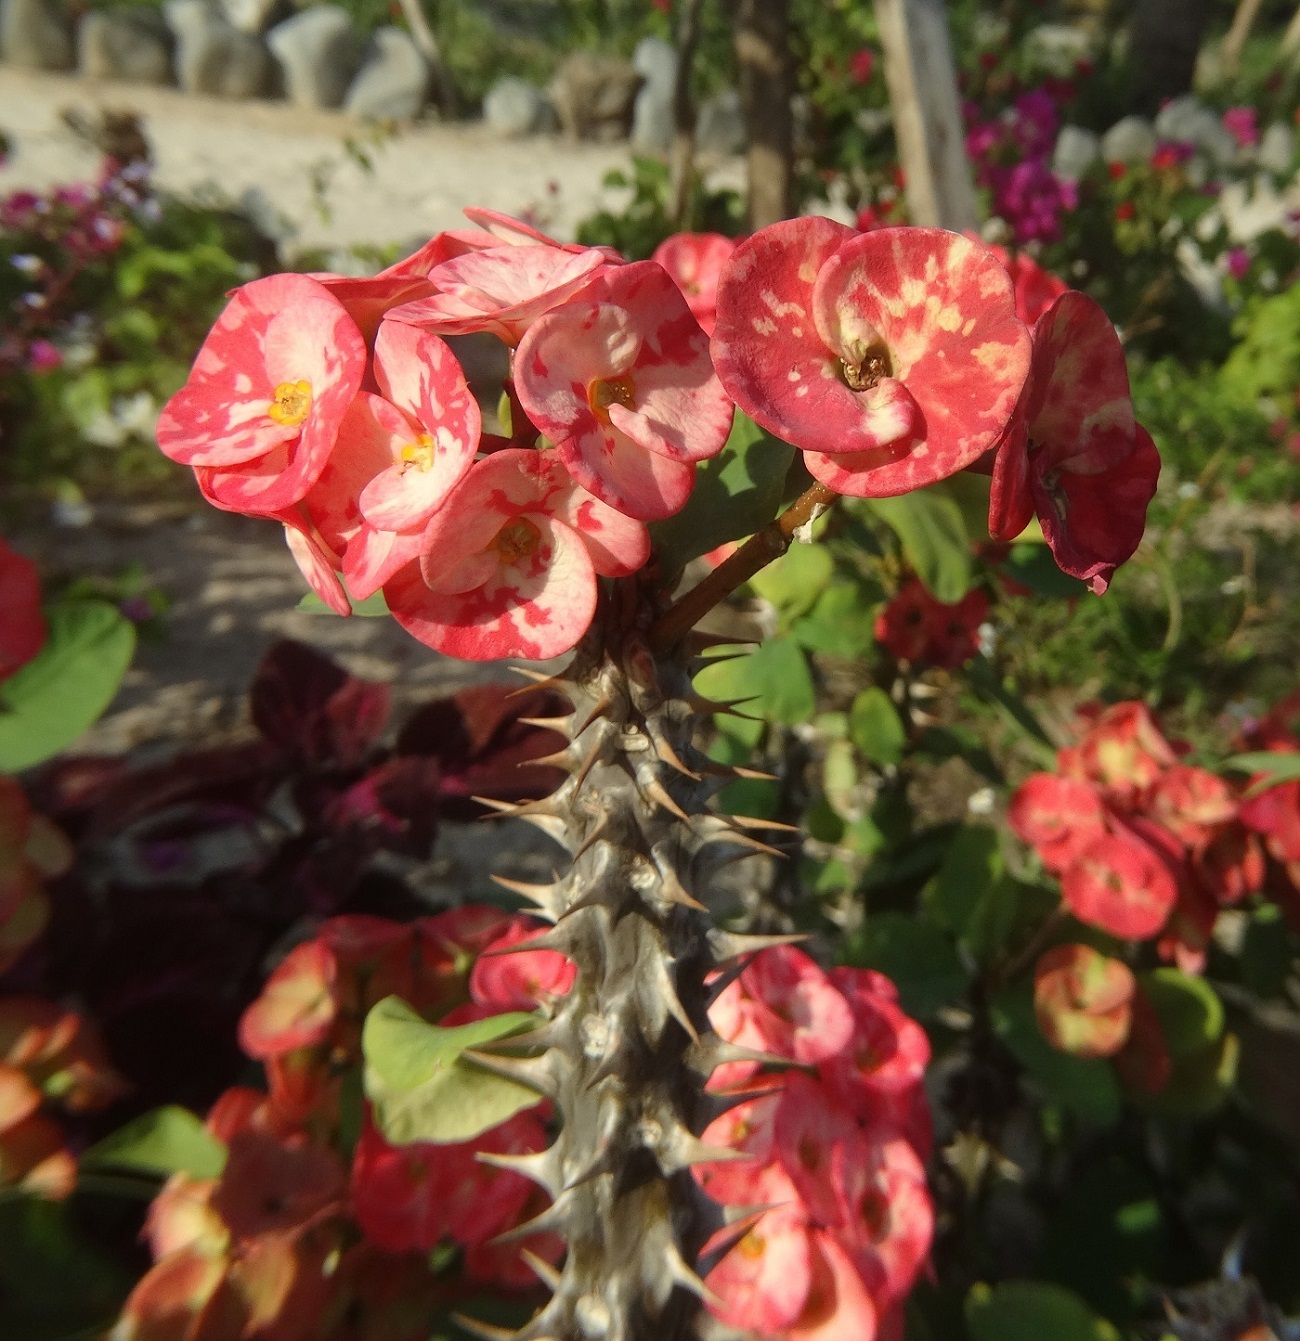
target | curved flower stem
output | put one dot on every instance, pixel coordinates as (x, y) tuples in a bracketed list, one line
[(756, 553)]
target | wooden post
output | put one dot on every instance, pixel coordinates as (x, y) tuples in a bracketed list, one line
[(762, 43), (1291, 38), (927, 113), (1242, 22)]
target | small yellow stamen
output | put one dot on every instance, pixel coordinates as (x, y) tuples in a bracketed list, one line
[(419, 454), (607, 391), (517, 540), (292, 403), (863, 376)]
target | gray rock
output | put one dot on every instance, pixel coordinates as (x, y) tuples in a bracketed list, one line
[(1187, 120), (393, 81), (720, 128), (215, 58), (1057, 48), (255, 16), (1076, 151), (319, 52), (513, 107), (652, 113), (1276, 148), (593, 96), (1132, 140), (132, 44), (36, 34)]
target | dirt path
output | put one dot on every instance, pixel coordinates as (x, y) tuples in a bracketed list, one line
[(420, 180)]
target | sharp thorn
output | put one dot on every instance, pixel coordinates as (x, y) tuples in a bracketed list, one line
[(541, 895), (599, 709), (560, 759), (532, 1072), (674, 891), (658, 793), (754, 822), (596, 834), (668, 991), (580, 776), (670, 757), (486, 1330), (536, 1168), (756, 774), (547, 724), (731, 945), (544, 1271), (685, 1277)]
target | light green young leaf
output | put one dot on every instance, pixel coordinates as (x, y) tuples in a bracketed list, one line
[(169, 1140), (794, 581), (421, 1086), (775, 674), (371, 608), (876, 728), (46, 705), (932, 532), (1032, 1311)]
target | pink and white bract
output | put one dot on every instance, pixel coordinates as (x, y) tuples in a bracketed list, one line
[(262, 408), (893, 358), (620, 380), (508, 565), (695, 262)]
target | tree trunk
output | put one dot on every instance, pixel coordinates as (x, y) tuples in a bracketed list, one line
[(762, 42), (683, 151), (1164, 41)]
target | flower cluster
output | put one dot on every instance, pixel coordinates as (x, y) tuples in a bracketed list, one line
[(835, 1148), (1271, 809), (271, 1245), (1145, 845), (1012, 154), (336, 406), (49, 1058), (915, 626)]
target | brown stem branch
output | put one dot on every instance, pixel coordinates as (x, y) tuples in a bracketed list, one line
[(756, 553)]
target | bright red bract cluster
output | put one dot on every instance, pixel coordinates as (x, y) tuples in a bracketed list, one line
[(835, 1150), (916, 626)]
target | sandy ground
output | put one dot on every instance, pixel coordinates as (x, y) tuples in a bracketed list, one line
[(421, 177)]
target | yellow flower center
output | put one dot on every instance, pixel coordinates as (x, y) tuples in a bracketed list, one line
[(419, 454), (607, 391), (753, 1245), (517, 540), (292, 403)]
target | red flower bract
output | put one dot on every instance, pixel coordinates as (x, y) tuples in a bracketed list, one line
[(508, 564), (1120, 884), (620, 380), (695, 261), (914, 626), (892, 358), (1083, 1000), (261, 410), (22, 626)]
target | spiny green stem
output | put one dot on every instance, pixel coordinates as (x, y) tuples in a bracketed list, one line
[(755, 554)]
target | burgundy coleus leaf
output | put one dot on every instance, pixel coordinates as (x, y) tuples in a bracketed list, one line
[(1122, 885), (1057, 816), (309, 706), (262, 408), (893, 358), (1083, 1000), (1073, 454), (502, 289), (22, 625), (695, 261), (508, 566), (620, 379), (483, 747)]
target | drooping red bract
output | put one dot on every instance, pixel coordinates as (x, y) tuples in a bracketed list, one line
[(893, 358), (22, 625), (620, 380), (1083, 1000), (508, 565), (695, 261), (262, 408), (1073, 454)]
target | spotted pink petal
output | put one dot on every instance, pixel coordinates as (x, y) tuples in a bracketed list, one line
[(1011, 501), (318, 566), (624, 370), (762, 1284), (941, 309), (285, 329), (420, 375), (766, 348), (839, 1306), (502, 290), (1094, 520), (618, 544), (810, 1128), (373, 557)]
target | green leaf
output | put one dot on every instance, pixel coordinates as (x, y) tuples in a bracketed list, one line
[(967, 879), (1191, 1014), (794, 581), (46, 705), (736, 493), (841, 623), (956, 742), (988, 684), (1086, 1086), (1278, 767), (423, 1089), (876, 728), (169, 1140), (1032, 1311), (775, 674), (1033, 566), (932, 532), (921, 960), (371, 608)]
